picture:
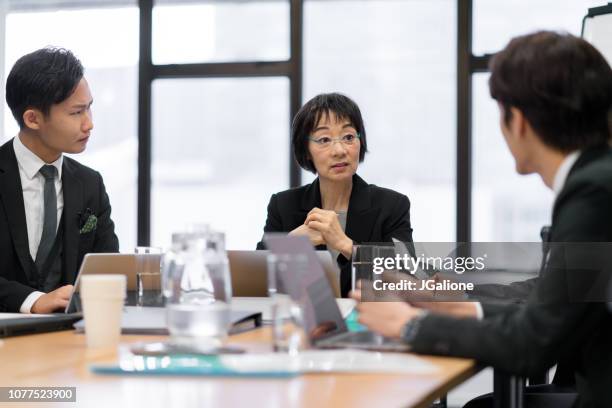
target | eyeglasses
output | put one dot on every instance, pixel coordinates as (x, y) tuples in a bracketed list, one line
[(326, 141)]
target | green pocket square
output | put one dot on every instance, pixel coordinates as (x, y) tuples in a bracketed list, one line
[(90, 224)]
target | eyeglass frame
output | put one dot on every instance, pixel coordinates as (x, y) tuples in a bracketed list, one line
[(334, 139)]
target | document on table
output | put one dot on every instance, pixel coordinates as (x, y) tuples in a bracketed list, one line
[(4, 316)]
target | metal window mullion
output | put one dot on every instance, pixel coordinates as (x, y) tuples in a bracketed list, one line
[(295, 79), (223, 70), (145, 78), (464, 120)]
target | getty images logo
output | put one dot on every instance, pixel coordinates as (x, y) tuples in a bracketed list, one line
[(411, 265)]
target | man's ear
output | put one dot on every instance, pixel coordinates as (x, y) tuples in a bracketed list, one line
[(518, 122), (33, 118)]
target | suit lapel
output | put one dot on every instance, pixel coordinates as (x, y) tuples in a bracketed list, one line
[(73, 203), (361, 216), (11, 196), (310, 199)]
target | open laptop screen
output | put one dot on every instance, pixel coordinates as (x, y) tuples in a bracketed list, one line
[(322, 317)]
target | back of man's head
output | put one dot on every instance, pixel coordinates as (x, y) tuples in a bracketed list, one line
[(41, 79), (561, 84)]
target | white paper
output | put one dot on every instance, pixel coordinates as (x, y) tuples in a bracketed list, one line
[(328, 361), (4, 316)]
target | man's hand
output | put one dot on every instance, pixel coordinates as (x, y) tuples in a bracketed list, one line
[(52, 301), (315, 237), (386, 318), (327, 224)]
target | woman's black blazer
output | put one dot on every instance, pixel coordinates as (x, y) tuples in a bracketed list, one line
[(375, 214)]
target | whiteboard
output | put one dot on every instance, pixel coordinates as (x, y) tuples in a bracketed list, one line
[(598, 31)]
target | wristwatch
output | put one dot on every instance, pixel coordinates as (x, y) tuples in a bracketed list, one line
[(409, 331)]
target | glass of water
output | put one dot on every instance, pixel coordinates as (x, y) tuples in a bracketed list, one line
[(361, 264), (288, 320), (366, 263), (148, 276), (197, 288)]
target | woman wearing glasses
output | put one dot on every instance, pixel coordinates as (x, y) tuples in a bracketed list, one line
[(339, 208)]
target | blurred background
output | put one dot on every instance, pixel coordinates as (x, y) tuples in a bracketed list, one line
[(219, 144), (194, 100)]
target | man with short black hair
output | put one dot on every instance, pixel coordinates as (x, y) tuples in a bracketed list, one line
[(53, 210), (554, 93)]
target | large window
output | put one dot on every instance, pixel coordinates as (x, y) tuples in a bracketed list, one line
[(219, 145), (219, 152), (220, 31), (506, 206), (110, 58), (496, 22), (396, 59)]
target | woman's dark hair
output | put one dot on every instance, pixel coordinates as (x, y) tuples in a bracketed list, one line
[(40, 79), (310, 114), (562, 85)]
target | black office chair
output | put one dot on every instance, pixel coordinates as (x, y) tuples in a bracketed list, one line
[(610, 296)]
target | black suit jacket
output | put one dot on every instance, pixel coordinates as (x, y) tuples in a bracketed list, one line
[(83, 189), (549, 328), (375, 214)]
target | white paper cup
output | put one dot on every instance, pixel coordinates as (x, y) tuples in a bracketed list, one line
[(103, 297)]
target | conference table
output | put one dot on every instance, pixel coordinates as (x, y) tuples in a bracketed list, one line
[(62, 359)]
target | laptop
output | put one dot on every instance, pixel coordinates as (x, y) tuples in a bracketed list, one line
[(113, 263), (98, 263), (19, 325), (249, 272), (323, 321), (137, 320)]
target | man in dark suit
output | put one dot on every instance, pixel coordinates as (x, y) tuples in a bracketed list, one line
[(555, 97), (53, 210)]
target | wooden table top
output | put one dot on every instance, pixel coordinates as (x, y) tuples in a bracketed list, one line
[(62, 359)]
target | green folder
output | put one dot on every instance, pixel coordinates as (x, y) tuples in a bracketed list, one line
[(182, 365)]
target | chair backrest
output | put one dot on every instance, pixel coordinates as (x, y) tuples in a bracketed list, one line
[(610, 296)]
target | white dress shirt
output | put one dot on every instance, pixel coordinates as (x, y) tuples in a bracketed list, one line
[(563, 171), (32, 184), (558, 184)]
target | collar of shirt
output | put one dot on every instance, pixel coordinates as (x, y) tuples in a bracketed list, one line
[(30, 163), (563, 171)]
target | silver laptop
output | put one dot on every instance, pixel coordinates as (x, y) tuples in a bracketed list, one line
[(112, 263), (249, 272)]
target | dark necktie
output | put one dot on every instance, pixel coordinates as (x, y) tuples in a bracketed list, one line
[(50, 216)]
